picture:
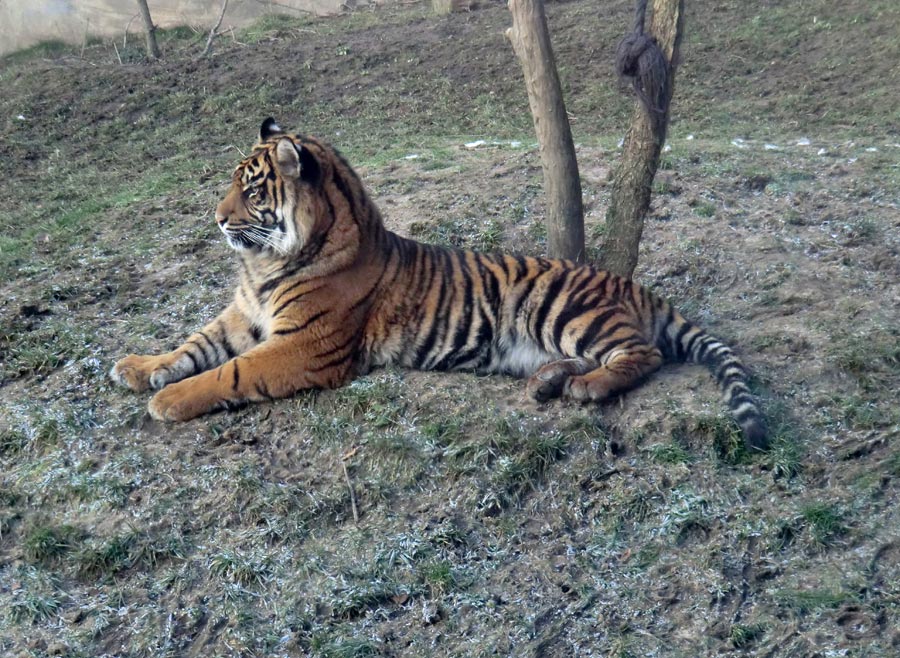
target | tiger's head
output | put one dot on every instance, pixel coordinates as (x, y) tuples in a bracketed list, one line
[(275, 205)]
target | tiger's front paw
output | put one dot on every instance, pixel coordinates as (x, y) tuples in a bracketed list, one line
[(180, 402), (134, 371), (142, 372)]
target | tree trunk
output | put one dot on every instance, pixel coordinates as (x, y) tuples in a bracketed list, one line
[(150, 30), (633, 177), (530, 39)]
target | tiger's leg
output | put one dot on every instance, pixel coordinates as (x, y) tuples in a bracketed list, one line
[(273, 369), (620, 371), (228, 335), (549, 380)]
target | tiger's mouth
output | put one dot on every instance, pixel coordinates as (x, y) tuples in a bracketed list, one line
[(254, 238), (238, 240)]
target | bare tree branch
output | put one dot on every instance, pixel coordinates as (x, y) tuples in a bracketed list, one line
[(212, 32)]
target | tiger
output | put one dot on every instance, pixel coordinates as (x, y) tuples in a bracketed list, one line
[(326, 293)]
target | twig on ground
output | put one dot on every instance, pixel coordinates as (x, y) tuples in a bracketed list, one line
[(347, 456)]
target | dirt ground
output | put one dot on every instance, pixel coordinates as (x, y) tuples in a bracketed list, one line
[(468, 522)]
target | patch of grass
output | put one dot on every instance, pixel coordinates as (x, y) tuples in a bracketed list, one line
[(812, 600), (864, 412), (786, 457), (352, 601), (43, 350), (743, 635), (12, 441), (240, 568), (718, 431), (465, 233), (866, 355), (825, 522), (686, 512), (44, 543), (443, 431), (374, 399), (50, 49), (892, 464), (669, 453), (36, 598), (345, 648), (527, 455), (103, 558), (438, 577), (705, 209)]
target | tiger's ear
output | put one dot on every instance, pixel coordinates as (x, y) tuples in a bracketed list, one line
[(269, 129), (296, 161), (287, 158)]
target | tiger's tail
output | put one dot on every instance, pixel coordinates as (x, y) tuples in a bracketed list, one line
[(686, 342)]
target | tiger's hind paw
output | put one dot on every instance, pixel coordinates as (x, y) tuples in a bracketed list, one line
[(550, 379)]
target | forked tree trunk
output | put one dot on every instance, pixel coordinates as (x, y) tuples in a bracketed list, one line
[(149, 30), (530, 39), (633, 177)]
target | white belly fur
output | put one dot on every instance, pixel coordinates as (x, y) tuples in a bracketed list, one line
[(522, 358)]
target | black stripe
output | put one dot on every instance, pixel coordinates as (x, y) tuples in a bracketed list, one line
[(262, 390), (255, 332), (526, 294), (431, 337), (443, 317), (746, 414), (293, 286), (581, 290), (300, 327), (334, 350), (230, 352), (735, 377), (570, 312), (193, 341), (365, 298), (692, 341), (214, 346), (464, 324), (237, 376), (344, 189), (590, 333), (704, 348), (678, 341), (609, 345), (550, 296), (193, 359)]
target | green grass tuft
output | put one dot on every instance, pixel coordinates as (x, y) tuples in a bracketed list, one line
[(825, 522), (43, 544), (743, 635)]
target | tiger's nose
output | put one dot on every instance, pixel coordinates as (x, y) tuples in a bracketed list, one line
[(221, 219)]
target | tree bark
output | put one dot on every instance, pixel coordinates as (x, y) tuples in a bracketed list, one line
[(530, 39), (149, 30), (633, 177)]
